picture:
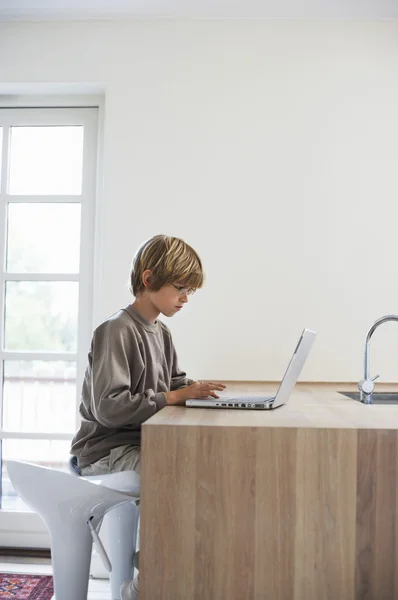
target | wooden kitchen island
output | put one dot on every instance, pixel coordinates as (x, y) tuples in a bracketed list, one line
[(298, 503)]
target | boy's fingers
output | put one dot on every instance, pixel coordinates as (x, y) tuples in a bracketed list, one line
[(216, 386)]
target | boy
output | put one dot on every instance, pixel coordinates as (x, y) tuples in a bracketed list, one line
[(132, 367)]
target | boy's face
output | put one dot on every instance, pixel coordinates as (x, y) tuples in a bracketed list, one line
[(170, 299)]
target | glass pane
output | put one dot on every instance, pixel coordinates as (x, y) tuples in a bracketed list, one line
[(39, 396), (46, 160), (43, 238), (41, 316), (1, 151), (48, 453)]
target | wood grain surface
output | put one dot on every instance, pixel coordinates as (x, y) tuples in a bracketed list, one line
[(249, 508)]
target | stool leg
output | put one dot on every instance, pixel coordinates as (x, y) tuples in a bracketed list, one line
[(122, 528), (71, 547), (97, 567)]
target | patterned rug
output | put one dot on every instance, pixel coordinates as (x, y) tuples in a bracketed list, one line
[(25, 587)]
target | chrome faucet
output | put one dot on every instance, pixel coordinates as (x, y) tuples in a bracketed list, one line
[(366, 385)]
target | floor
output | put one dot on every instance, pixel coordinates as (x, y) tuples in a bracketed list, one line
[(98, 588)]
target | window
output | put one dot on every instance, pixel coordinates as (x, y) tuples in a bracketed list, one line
[(47, 198)]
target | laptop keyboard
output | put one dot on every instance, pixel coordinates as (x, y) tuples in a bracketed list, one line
[(245, 398)]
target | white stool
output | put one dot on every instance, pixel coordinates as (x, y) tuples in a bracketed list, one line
[(119, 528), (68, 504)]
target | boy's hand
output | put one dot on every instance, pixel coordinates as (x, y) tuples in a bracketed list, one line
[(198, 389), (204, 389)]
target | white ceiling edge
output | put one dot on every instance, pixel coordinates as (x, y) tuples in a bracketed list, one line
[(81, 10), (4, 18)]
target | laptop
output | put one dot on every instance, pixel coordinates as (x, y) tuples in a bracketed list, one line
[(288, 382)]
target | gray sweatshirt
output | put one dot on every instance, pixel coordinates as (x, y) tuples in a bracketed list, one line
[(131, 364)]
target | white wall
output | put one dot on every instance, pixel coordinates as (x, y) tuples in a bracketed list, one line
[(271, 147)]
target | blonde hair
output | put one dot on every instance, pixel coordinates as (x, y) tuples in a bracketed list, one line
[(171, 260)]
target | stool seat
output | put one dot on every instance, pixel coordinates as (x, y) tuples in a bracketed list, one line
[(127, 482)]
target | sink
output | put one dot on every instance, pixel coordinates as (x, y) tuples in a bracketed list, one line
[(378, 397)]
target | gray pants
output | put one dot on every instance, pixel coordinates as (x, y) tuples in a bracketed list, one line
[(122, 458)]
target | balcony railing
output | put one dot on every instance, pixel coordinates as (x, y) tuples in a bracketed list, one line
[(45, 405)]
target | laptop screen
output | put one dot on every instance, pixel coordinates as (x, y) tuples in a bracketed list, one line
[(295, 366)]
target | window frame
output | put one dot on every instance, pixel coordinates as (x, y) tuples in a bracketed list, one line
[(12, 524)]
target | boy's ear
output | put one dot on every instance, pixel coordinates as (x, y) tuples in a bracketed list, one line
[(147, 277)]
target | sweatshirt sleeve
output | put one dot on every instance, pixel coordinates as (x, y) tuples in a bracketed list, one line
[(179, 379), (116, 368)]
